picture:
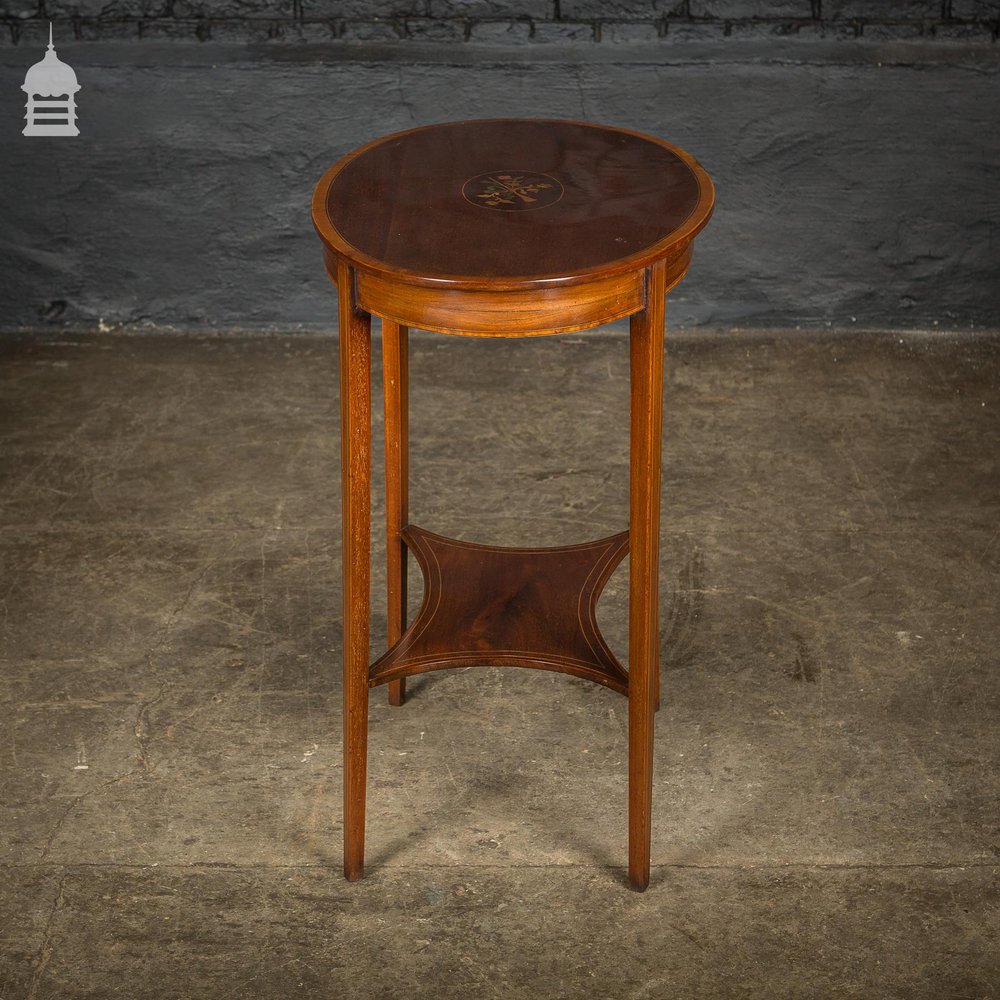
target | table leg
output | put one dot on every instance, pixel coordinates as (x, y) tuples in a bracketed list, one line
[(395, 370), (355, 469), (646, 377)]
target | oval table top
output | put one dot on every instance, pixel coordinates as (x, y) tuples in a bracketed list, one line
[(516, 202)]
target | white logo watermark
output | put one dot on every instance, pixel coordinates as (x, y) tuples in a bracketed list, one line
[(51, 86)]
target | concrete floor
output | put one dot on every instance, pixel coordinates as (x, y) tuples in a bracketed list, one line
[(826, 819)]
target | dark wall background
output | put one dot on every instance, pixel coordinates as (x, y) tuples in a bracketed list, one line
[(855, 146)]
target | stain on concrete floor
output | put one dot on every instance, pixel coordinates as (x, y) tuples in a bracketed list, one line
[(826, 817)]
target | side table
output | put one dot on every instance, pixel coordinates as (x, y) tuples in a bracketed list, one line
[(503, 228)]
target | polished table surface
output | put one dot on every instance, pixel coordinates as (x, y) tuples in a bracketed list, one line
[(525, 201)]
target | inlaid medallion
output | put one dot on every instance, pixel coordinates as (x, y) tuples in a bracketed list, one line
[(511, 191)]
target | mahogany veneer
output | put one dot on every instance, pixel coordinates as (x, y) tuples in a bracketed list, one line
[(508, 607), (507, 227)]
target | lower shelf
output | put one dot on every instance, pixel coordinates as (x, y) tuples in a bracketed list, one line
[(486, 605)]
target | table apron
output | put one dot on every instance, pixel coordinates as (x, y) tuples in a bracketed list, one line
[(511, 313)]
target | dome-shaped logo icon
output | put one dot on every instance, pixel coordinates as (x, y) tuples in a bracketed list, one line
[(51, 87)]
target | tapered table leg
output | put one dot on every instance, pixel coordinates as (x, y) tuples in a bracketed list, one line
[(646, 363), (355, 469), (395, 369)]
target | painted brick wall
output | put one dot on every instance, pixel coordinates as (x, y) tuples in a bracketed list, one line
[(854, 145), (507, 21)]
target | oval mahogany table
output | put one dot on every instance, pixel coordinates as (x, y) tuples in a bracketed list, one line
[(503, 228)]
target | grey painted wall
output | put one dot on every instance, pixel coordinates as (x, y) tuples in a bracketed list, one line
[(857, 159)]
